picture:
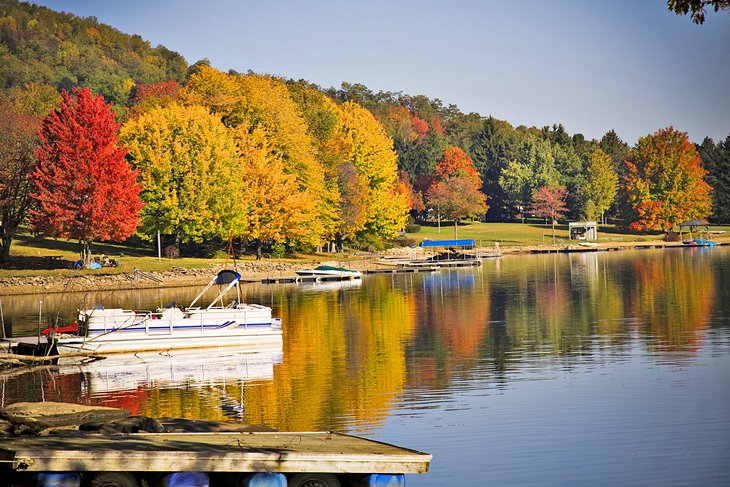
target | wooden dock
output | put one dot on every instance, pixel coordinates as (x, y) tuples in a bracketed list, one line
[(297, 279), (209, 452)]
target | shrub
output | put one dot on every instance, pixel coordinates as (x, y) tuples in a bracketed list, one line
[(278, 250), (413, 228)]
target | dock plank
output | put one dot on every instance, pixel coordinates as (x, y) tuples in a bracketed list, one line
[(212, 452)]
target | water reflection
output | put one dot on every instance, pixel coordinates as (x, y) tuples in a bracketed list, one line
[(353, 353)]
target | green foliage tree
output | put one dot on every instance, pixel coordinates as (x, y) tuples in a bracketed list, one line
[(696, 8), (533, 168), (716, 160), (665, 182), (186, 160), (600, 185), (492, 149)]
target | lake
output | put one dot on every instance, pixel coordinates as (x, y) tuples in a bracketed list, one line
[(608, 368)]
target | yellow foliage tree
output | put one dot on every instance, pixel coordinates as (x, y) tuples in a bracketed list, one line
[(262, 103), (186, 159), (273, 209), (370, 150)]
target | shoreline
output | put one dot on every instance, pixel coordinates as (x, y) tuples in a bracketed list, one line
[(183, 276)]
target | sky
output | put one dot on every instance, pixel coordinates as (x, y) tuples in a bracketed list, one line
[(628, 65)]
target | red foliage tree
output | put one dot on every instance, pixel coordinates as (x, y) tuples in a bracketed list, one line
[(163, 89), (549, 201), (83, 186), (420, 126)]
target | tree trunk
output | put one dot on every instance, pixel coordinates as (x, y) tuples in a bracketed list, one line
[(259, 250), (553, 231), (5, 242), (85, 251)]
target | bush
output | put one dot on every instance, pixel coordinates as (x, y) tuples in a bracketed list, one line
[(278, 250), (413, 228)]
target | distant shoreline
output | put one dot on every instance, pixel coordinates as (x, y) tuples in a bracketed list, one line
[(182, 277)]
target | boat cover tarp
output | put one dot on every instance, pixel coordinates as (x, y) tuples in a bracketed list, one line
[(227, 276), (448, 243)]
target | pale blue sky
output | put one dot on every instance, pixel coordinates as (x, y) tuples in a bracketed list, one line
[(628, 65)]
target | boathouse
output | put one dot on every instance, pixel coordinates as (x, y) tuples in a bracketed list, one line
[(583, 230)]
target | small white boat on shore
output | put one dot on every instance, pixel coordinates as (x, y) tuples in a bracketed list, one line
[(102, 331), (330, 271)]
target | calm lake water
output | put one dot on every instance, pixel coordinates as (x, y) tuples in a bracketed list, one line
[(571, 369)]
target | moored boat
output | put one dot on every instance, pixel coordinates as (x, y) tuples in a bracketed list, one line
[(699, 242), (219, 324), (330, 271)]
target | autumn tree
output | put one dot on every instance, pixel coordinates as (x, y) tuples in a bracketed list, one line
[(17, 141), (262, 102), (600, 185), (370, 151), (352, 209), (549, 202), (665, 182), (83, 186), (186, 161), (273, 210), (455, 192)]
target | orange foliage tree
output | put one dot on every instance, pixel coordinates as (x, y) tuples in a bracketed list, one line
[(455, 193), (664, 182)]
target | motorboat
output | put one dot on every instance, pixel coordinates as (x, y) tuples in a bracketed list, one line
[(330, 271), (102, 331), (700, 242)]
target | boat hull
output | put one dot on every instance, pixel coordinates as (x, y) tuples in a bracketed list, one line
[(119, 331), (177, 341)]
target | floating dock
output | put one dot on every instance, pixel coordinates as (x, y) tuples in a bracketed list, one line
[(238, 452)]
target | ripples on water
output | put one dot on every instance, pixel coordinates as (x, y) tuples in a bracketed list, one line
[(608, 369)]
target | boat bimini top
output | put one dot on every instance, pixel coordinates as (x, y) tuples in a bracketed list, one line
[(227, 278)]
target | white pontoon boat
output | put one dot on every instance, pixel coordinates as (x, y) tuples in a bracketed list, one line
[(217, 325)]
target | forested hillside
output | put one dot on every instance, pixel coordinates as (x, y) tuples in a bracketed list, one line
[(40, 46), (304, 165)]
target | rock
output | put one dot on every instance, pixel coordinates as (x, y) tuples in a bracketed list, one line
[(132, 424), (6, 428), (38, 416)]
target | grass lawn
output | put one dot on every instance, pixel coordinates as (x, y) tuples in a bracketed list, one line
[(519, 234), (45, 256)]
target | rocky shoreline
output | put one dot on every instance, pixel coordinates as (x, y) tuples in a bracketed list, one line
[(175, 277), (182, 276)]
